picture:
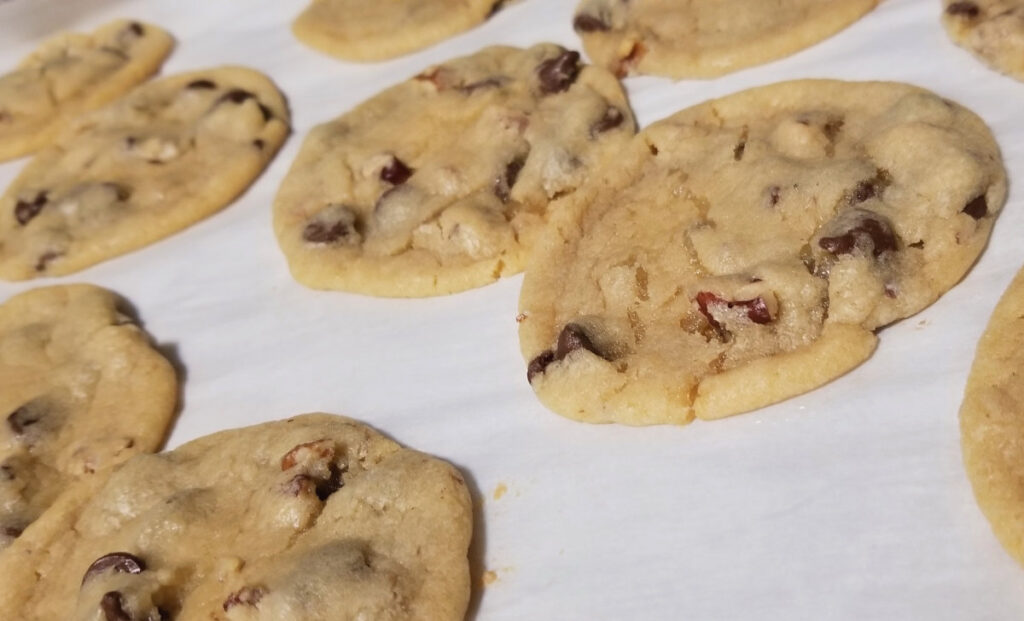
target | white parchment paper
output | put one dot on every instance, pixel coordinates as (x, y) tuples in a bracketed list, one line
[(846, 503)]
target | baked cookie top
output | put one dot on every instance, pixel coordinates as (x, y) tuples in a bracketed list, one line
[(72, 73), (366, 31), (992, 421), (705, 38), (744, 250), (81, 389), (439, 183), (169, 153), (312, 518), (993, 30)]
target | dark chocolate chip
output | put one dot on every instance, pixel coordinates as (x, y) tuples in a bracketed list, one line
[(24, 210), (237, 96), (46, 258), (558, 74), (22, 418), (12, 531), (585, 22), (967, 9), (118, 562), (396, 172), (737, 151), (869, 188), (136, 29), (869, 229), (918, 244), (757, 309), (774, 194), (201, 85), (259, 144), (246, 596), (504, 183), (112, 606), (611, 119), (539, 364), (321, 233), (328, 486), (977, 208), (831, 129)]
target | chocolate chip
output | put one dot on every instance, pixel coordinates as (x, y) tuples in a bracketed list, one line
[(6, 472), (46, 258), (539, 364), (977, 208), (585, 22), (571, 338), (12, 531), (774, 194), (757, 309), (918, 244), (246, 596), (831, 129), (258, 143), (201, 85), (328, 486), (237, 96), (112, 606), (136, 29), (557, 74), (22, 418), (118, 562), (611, 119), (868, 229), (967, 9), (503, 183), (396, 172), (24, 210), (869, 188)]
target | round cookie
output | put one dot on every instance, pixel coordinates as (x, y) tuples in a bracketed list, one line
[(440, 183), (705, 38), (72, 73), (169, 153), (993, 30), (744, 250), (81, 390), (992, 421), (367, 31), (312, 518)]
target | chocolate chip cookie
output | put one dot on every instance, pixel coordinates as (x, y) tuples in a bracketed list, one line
[(992, 421), (745, 250), (314, 517), (169, 153), (993, 30), (705, 38), (440, 183), (72, 73), (366, 31), (81, 389)]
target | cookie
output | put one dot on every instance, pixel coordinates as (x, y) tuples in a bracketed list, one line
[(166, 155), (440, 183), (993, 30), (705, 39), (992, 421), (81, 390), (72, 73), (368, 31), (314, 517), (745, 250)]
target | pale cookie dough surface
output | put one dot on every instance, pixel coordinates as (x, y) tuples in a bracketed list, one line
[(705, 38), (367, 31), (312, 518), (993, 30), (81, 389), (992, 421), (440, 183), (169, 153), (744, 250), (72, 73)]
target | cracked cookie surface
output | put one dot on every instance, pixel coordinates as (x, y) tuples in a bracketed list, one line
[(744, 250), (312, 518), (81, 390), (992, 421), (166, 155), (993, 30), (367, 31), (440, 183), (701, 38), (73, 73)]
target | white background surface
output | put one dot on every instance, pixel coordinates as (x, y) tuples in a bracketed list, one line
[(847, 503)]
